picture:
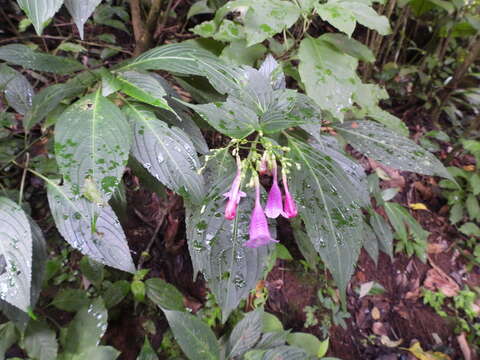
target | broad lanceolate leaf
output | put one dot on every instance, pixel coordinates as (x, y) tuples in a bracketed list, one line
[(380, 143), (50, 97), (81, 11), (40, 11), (166, 152), (216, 244), (92, 142), (349, 46), (29, 59), (245, 334), (18, 93), (285, 352), (195, 337), (329, 205), (383, 232), (15, 255), (91, 228), (40, 341), (230, 118), (39, 257), (164, 295), (186, 59), (144, 87), (87, 328)]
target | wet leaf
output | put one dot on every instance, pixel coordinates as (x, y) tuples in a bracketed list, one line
[(329, 205), (24, 56), (147, 352), (285, 352), (383, 232), (164, 295), (8, 337), (15, 255), (381, 144), (92, 141), (216, 244), (416, 349), (18, 93), (92, 229), (70, 299), (166, 152), (40, 341)]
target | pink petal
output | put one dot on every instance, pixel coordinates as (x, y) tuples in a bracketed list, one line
[(274, 205)]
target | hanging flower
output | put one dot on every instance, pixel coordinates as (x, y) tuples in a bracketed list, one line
[(274, 205), (259, 231), (289, 206), (263, 168), (235, 194)]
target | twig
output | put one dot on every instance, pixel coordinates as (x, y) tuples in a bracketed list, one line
[(22, 183)]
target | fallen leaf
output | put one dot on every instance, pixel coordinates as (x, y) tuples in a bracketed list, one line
[(418, 206), (379, 328), (385, 340), (437, 279), (469, 167), (462, 342), (375, 313), (416, 349)]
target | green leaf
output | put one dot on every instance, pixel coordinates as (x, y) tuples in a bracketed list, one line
[(238, 53), (199, 7), (81, 11), (245, 334), (473, 207), (270, 323), (230, 31), (456, 213), (166, 152), (92, 142), (50, 97), (349, 46), (368, 17), (307, 342), (216, 244), (138, 290), (92, 270), (328, 74), (285, 352), (15, 255), (18, 93), (147, 352), (164, 295), (70, 299), (40, 341), (97, 353), (71, 47), (40, 11), (304, 244), (115, 293), (39, 257), (24, 56), (379, 143), (231, 118), (143, 87), (329, 205), (370, 243), (195, 337), (8, 337), (383, 232), (338, 15), (264, 19), (470, 229), (92, 229), (205, 29), (87, 328)]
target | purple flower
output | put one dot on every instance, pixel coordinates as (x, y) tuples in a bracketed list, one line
[(274, 202), (259, 231), (234, 195), (289, 206)]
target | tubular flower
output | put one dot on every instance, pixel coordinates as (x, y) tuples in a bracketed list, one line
[(235, 194), (263, 168), (274, 205), (259, 231), (289, 206)]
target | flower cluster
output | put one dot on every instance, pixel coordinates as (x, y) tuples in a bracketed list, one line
[(277, 205)]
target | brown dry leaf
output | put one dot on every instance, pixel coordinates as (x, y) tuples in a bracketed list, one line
[(375, 313), (437, 248), (418, 206), (438, 280), (462, 342), (385, 340), (469, 167), (419, 353)]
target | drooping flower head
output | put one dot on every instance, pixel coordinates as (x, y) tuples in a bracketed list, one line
[(264, 168), (259, 231), (274, 205), (289, 206), (235, 194)]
